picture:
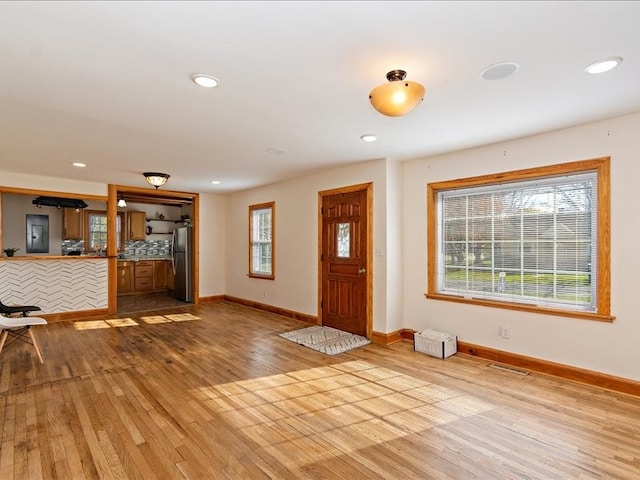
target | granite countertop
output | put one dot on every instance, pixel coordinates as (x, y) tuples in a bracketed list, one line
[(142, 258)]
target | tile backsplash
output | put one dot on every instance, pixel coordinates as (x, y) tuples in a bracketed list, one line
[(141, 248)]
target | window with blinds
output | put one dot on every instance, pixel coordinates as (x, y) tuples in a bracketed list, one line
[(528, 240), (261, 236)]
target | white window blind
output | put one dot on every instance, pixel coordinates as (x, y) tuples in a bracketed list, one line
[(531, 242)]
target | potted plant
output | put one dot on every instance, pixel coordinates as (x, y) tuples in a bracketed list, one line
[(10, 251)]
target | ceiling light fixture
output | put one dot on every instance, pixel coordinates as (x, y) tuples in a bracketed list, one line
[(156, 179), (368, 137), (79, 164), (122, 202), (603, 65), (398, 97), (204, 80), (215, 182)]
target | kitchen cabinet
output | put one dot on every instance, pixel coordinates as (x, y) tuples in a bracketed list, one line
[(143, 275), (137, 226), (125, 277), (170, 276), (72, 226), (159, 274)]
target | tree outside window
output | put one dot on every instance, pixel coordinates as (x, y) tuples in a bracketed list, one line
[(533, 239)]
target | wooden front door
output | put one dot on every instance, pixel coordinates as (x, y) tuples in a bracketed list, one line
[(345, 278)]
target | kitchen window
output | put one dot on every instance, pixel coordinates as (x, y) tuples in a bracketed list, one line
[(95, 238), (261, 240), (534, 240)]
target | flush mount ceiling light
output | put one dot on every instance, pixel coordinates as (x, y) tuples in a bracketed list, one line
[(156, 179), (368, 137), (215, 182), (204, 80), (499, 70), (603, 65), (398, 97), (79, 164)]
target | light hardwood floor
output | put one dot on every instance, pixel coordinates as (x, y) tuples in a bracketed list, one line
[(212, 392)]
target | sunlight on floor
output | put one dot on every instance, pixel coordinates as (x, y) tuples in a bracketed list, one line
[(324, 412), (129, 322)]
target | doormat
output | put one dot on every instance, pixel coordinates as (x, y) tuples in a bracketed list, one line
[(326, 339)]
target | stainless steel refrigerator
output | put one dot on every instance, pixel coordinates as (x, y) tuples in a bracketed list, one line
[(182, 260)]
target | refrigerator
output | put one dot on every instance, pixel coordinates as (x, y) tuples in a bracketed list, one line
[(182, 261)]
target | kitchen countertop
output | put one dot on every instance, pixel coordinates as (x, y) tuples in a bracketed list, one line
[(141, 258)]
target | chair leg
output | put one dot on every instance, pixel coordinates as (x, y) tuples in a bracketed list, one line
[(4, 339), (35, 344)]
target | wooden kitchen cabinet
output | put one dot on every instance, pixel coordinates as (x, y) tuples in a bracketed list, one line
[(72, 226), (159, 274), (125, 277), (170, 275), (137, 226), (143, 275)]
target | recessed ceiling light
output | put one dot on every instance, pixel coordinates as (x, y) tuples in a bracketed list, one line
[(276, 150), (204, 80), (368, 137), (603, 65), (215, 182), (79, 164), (499, 70)]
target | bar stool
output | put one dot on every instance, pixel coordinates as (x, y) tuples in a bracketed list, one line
[(18, 328)]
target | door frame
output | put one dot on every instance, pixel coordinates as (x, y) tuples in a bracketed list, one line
[(368, 187), (112, 210)]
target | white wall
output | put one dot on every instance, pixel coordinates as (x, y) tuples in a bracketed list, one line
[(212, 223), (50, 184), (610, 348), (296, 240)]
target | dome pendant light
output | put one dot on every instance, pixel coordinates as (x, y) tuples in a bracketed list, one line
[(398, 97), (156, 179)]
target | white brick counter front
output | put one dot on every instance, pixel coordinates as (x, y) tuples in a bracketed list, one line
[(55, 284)]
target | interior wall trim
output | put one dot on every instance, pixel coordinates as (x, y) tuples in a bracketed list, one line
[(589, 377), (75, 315), (271, 309)]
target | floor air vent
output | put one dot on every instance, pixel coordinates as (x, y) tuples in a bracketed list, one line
[(509, 369)]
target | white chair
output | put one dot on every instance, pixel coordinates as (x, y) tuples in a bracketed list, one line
[(18, 327)]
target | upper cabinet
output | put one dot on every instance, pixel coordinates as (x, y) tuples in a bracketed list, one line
[(137, 225), (72, 225)]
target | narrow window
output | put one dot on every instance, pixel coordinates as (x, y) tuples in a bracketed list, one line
[(533, 239), (261, 240)]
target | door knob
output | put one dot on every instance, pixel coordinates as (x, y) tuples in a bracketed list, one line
[(362, 270)]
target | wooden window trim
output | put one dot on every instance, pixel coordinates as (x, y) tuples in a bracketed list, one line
[(252, 208), (601, 166), (86, 228)]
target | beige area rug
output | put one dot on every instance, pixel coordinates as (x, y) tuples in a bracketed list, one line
[(326, 339)]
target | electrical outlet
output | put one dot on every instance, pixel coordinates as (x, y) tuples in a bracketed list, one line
[(505, 332), (265, 293)]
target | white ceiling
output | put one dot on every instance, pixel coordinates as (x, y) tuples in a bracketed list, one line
[(108, 83)]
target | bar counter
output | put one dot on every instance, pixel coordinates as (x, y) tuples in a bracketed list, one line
[(56, 284)]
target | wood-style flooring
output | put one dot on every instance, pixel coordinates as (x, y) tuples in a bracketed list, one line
[(212, 392)]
